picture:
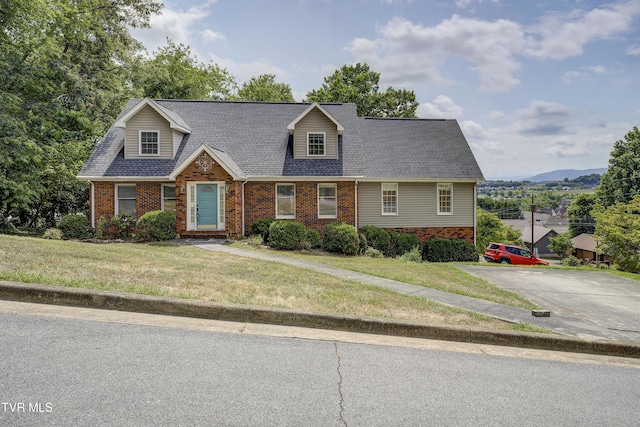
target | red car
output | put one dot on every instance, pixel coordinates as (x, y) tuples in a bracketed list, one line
[(509, 254)]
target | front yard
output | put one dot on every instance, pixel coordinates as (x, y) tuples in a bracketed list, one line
[(183, 271)]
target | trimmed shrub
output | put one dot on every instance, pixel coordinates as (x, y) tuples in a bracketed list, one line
[(377, 237), (156, 226), (401, 243), (341, 238), (74, 227), (261, 227), (287, 235), (363, 246), (373, 253), (572, 261), (313, 239), (448, 250), (124, 224), (414, 255), (52, 234)]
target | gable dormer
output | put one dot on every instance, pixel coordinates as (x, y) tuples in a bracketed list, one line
[(152, 131), (315, 134)]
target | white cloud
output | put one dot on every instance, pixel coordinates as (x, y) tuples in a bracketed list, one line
[(583, 73), (408, 53), (564, 35), (542, 118), (442, 107), (243, 71), (468, 3), (634, 50), (212, 36)]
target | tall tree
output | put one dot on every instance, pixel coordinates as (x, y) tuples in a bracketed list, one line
[(493, 229), (618, 233), (621, 181), (63, 73), (360, 85), (174, 72), (265, 88), (580, 218)]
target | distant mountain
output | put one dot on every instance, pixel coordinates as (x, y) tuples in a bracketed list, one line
[(560, 175)]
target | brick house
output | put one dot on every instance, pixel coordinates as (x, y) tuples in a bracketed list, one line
[(220, 166)]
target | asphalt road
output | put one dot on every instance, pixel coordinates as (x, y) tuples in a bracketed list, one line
[(145, 370), (607, 300)]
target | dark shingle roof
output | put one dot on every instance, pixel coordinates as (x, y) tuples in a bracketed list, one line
[(254, 135)]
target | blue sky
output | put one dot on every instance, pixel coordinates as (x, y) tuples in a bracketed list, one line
[(536, 85)]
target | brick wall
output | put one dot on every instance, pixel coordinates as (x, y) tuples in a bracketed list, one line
[(260, 203)]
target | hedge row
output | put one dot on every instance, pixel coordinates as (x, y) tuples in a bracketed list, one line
[(344, 239)]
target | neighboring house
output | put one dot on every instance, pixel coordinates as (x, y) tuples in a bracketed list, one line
[(541, 236), (220, 166), (584, 247)]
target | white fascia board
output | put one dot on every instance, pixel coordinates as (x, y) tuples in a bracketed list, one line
[(291, 127), (182, 166), (122, 122)]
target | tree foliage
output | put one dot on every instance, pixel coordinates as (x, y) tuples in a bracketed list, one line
[(618, 233), (561, 245), (502, 208), (621, 181), (64, 66), (580, 219), (264, 88), (360, 85), (491, 229), (173, 72)]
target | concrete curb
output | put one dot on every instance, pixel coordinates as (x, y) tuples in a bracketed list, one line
[(76, 297)]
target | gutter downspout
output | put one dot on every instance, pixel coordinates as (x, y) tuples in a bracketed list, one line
[(356, 204), (93, 204), (243, 228)]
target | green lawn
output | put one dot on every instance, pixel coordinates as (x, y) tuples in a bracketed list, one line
[(186, 272)]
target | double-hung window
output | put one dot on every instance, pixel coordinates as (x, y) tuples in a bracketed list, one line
[(445, 199), (285, 201), (315, 143), (389, 199), (126, 199), (149, 143), (169, 198), (327, 201)]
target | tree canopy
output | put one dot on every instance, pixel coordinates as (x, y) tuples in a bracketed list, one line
[(491, 229), (621, 181), (173, 72), (360, 85), (618, 233), (580, 218), (264, 88)]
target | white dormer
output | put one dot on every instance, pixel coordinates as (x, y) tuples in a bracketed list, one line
[(315, 134), (152, 131)]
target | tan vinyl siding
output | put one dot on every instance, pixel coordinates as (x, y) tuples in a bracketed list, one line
[(316, 122), (417, 206), (177, 140), (148, 119)]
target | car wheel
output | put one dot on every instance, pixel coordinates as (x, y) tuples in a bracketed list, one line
[(505, 261)]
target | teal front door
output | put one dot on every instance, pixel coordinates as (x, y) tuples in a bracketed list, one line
[(206, 206)]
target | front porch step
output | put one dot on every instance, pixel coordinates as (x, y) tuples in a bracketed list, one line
[(204, 235)]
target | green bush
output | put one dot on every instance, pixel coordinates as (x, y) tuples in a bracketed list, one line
[(156, 226), (75, 227), (363, 245), (448, 250), (413, 255), (313, 239), (377, 237), (6, 226), (125, 225), (341, 238), (52, 234), (572, 261), (287, 235), (261, 227), (401, 243)]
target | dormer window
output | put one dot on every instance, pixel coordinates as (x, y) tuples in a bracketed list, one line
[(149, 143), (315, 144)]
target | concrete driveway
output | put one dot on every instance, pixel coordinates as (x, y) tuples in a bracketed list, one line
[(609, 301)]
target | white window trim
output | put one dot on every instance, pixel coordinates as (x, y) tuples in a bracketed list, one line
[(335, 186), (140, 143), (395, 184), (294, 201), (324, 144), (450, 187), (116, 207), (191, 205), (162, 194)]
